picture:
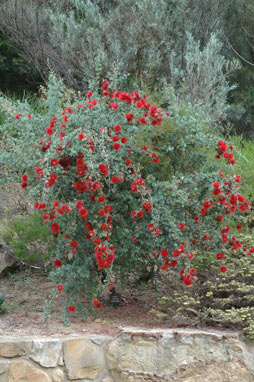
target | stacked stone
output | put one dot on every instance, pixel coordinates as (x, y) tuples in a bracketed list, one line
[(134, 355)]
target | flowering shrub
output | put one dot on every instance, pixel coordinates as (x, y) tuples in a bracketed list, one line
[(110, 213)]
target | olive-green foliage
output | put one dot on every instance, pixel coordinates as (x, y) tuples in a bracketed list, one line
[(239, 39), (244, 166), (15, 73), (183, 142), (30, 240)]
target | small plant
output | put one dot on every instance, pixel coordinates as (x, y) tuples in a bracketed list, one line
[(224, 300), (3, 307), (30, 240)]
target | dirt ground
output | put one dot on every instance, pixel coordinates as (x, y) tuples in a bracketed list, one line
[(25, 292)]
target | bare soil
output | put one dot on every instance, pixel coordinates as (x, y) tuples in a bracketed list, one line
[(25, 293)]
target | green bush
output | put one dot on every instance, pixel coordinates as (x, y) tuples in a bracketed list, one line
[(30, 240), (108, 200)]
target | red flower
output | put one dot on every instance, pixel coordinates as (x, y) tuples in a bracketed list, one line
[(219, 218), (79, 205), (108, 208), (96, 304), (180, 226), (24, 185), (156, 160), (60, 288), (147, 206), (222, 146), (150, 227), (129, 117), (142, 121), (175, 253), (84, 213), (124, 140), (223, 269), (104, 227), (24, 178), (89, 94), (55, 228), (116, 146), (101, 212), (115, 179), (117, 128), (81, 137), (54, 162), (140, 214), (216, 184), (190, 255), (239, 226), (96, 241), (58, 263), (134, 239), (164, 253), (49, 131), (80, 187), (71, 308), (74, 244)]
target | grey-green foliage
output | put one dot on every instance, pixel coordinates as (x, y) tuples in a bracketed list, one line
[(156, 40), (203, 80), (19, 137)]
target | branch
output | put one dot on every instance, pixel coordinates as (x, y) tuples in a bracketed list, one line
[(238, 54)]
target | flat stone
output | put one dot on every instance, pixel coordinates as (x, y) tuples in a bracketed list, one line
[(218, 372), (165, 355), (46, 352), (107, 379), (23, 371), (4, 366), (4, 377), (97, 340), (57, 375), (83, 359), (10, 349)]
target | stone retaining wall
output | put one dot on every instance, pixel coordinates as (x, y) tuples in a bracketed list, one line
[(134, 355)]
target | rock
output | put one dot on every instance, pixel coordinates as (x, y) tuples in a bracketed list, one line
[(107, 379), (4, 377), (168, 355), (46, 352), (4, 366), (83, 359), (57, 375), (218, 372), (23, 371), (7, 259), (10, 349)]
